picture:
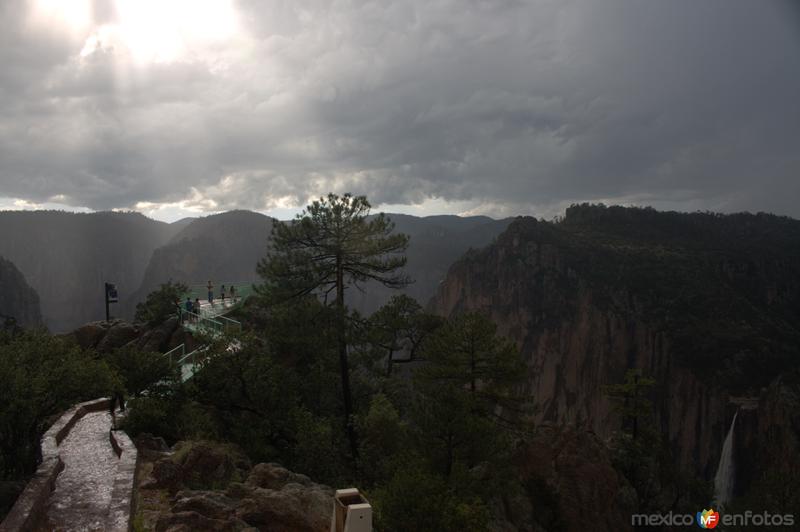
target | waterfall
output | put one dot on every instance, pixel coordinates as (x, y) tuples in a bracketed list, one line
[(723, 480)]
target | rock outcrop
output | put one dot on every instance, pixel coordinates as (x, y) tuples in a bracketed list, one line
[(105, 336), (212, 487), (18, 301), (199, 465), (703, 303)]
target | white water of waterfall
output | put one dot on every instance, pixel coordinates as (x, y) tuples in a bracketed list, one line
[(723, 480)]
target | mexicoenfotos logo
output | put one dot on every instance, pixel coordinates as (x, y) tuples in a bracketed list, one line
[(708, 518)]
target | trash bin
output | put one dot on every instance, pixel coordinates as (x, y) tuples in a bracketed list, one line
[(351, 512)]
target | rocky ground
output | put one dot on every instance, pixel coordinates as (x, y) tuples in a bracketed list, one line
[(210, 486)]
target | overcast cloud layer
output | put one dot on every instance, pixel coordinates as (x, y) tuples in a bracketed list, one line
[(492, 107)]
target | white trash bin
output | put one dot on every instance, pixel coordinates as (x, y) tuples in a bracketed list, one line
[(351, 512)]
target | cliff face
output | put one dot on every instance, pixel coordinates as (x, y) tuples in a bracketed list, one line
[(705, 304), (223, 247), (17, 299)]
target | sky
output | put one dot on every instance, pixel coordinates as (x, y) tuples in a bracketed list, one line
[(494, 107)]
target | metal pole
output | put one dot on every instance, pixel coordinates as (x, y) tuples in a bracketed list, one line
[(108, 315)]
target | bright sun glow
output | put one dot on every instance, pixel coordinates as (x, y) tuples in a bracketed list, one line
[(147, 30)]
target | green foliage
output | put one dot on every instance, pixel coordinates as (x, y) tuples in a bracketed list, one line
[(414, 499), (247, 391), (154, 415), (432, 452), (301, 335), (384, 435), (468, 354), (631, 400), (332, 242), (173, 417), (332, 245), (453, 431), (320, 449), (161, 304), (139, 369), (40, 376), (400, 326)]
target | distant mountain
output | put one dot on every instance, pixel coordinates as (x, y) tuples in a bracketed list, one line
[(227, 247), (222, 247), (17, 299), (435, 243), (66, 258), (177, 225)]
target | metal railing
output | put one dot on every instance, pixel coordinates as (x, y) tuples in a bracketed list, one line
[(201, 323), (243, 290), (230, 325), (178, 352), (189, 363)]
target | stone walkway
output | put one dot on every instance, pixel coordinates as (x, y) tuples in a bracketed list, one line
[(83, 490)]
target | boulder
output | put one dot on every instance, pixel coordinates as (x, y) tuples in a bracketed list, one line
[(200, 465), (294, 508), (157, 338), (165, 474), (276, 499), (150, 447), (119, 334), (269, 497), (213, 504), (192, 521), (274, 476), (89, 335), (147, 442)]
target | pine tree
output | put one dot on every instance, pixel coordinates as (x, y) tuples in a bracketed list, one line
[(332, 245), (631, 400)]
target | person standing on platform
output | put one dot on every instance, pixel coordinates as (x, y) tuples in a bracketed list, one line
[(210, 293), (222, 294)]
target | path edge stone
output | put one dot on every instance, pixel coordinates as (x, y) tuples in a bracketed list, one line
[(122, 507)]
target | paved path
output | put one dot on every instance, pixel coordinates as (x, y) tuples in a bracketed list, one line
[(83, 490)]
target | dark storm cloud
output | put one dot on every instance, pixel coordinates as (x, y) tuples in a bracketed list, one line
[(505, 106)]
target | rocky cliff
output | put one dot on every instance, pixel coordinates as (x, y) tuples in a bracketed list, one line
[(706, 304), (17, 300)]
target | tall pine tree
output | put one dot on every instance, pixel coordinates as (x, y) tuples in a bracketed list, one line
[(332, 245)]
